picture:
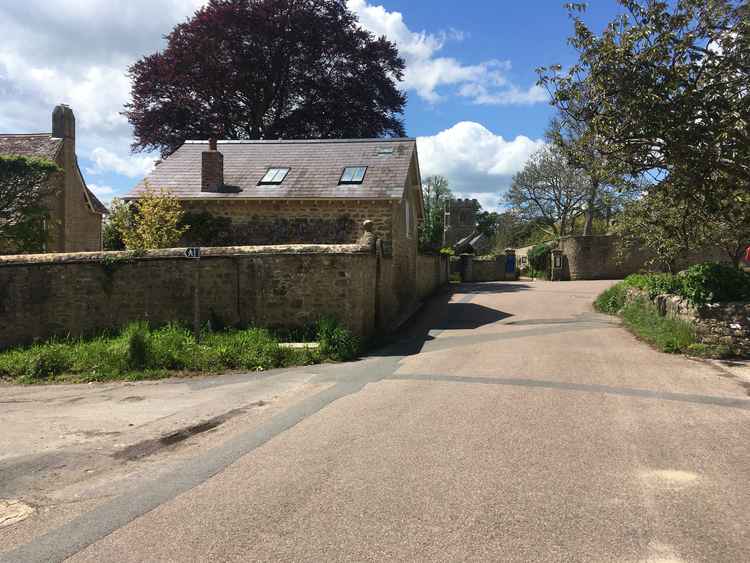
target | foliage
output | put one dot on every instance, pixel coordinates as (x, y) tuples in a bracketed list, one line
[(140, 351), (25, 191), (549, 191), (663, 92), (436, 195), (336, 342), (267, 69), (206, 228), (539, 257), (155, 221), (447, 251), (714, 283), (655, 284), (668, 335), (709, 282), (612, 299), (488, 223), (701, 350)]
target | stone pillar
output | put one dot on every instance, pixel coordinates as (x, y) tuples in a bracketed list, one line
[(467, 273), (557, 265), (212, 168)]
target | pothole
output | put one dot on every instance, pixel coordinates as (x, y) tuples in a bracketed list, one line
[(13, 511)]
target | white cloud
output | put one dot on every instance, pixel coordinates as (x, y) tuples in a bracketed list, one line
[(104, 193), (477, 163), (131, 166), (426, 72)]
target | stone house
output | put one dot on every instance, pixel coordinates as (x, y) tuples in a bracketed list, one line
[(243, 193), (75, 223)]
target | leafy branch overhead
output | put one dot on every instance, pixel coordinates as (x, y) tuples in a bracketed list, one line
[(267, 69), (662, 95)]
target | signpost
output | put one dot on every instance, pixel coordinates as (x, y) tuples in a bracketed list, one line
[(194, 253)]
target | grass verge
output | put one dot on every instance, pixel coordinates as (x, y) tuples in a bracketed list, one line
[(141, 352)]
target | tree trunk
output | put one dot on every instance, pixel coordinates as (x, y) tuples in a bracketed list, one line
[(588, 228)]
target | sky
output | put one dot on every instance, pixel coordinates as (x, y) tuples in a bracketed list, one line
[(473, 102)]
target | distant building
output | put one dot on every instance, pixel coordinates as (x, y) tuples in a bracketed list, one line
[(462, 220), (75, 223)]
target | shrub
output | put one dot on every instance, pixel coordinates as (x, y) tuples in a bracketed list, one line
[(711, 282), (702, 350), (137, 338), (539, 260), (655, 284), (612, 299), (336, 342), (173, 347), (48, 361)]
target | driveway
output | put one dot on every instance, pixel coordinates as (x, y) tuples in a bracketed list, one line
[(509, 423)]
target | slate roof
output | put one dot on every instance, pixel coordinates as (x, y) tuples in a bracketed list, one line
[(315, 169), (40, 145), (43, 145)]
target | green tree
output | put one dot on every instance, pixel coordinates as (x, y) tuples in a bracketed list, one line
[(668, 83), (549, 191), (436, 196), (154, 221), (25, 191)]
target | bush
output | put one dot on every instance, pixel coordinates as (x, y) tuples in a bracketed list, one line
[(711, 282), (48, 361), (539, 260), (612, 299), (336, 342), (137, 338), (655, 284)]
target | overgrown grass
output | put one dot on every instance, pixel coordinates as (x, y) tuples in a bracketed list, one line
[(612, 299), (142, 352), (668, 335)]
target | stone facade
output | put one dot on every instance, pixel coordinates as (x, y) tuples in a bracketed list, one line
[(75, 223), (462, 221), (42, 296)]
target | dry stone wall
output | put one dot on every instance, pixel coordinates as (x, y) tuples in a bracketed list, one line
[(43, 296)]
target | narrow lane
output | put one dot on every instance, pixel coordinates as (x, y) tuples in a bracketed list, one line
[(512, 423)]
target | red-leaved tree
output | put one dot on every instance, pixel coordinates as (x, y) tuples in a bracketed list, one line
[(267, 69)]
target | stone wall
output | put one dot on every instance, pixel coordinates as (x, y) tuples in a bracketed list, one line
[(42, 296), (484, 269), (79, 294), (269, 222), (724, 324), (432, 273), (598, 257)]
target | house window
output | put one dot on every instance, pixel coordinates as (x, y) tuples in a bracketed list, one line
[(353, 175), (274, 176)]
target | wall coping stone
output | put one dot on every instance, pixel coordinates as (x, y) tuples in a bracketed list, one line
[(206, 252)]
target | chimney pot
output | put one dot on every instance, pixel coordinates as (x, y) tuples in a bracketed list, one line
[(212, 144)]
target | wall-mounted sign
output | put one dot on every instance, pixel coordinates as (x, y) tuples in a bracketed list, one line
[(557, 261), (194, 252)]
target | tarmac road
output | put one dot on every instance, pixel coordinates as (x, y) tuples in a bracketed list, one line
[(511, 423)]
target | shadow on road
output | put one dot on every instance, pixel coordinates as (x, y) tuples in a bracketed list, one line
[(490, 287)]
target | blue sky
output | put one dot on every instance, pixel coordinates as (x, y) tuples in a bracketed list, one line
[(473, 103)]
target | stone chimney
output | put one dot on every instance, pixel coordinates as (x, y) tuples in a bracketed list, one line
[(63, 123), (212, 168)]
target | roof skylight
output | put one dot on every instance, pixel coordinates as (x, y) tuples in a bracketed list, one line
[(353, 175), (274, 176)]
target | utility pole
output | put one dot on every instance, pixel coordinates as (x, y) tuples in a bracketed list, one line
[(446, 223)]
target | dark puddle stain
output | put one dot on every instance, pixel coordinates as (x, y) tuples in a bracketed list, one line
[(150, 447)]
